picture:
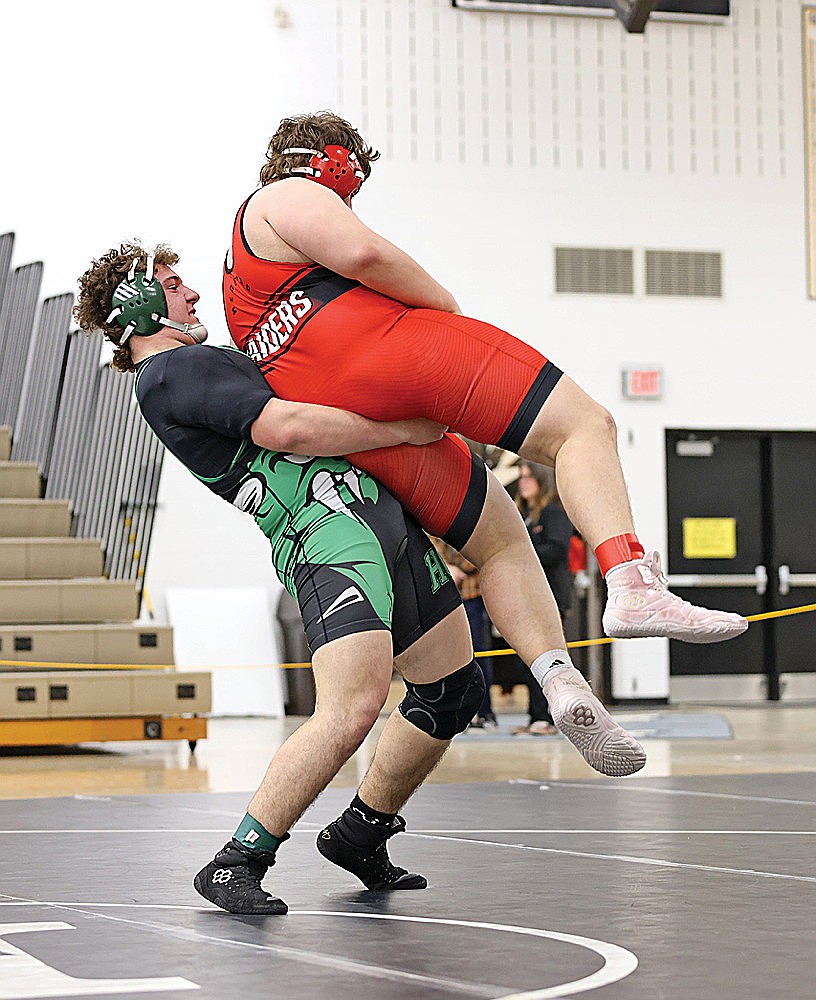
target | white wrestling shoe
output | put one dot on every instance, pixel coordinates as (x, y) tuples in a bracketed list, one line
[(640, 604), (578, 714)]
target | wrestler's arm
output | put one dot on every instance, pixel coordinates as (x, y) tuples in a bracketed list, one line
[(316, 222), (223, 391), (310, 429)]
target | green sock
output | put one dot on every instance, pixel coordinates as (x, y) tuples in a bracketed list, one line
[(254, 835)]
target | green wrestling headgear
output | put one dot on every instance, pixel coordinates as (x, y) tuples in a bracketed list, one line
[(139, 306)]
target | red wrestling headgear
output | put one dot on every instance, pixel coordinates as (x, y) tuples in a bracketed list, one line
[(335, 167)]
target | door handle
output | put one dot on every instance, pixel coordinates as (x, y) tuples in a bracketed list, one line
[(788, 579), (784, 579), (758, 579)]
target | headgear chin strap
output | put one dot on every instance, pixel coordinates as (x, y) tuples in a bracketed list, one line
[(197, 331), (140, 307), (335, 167)]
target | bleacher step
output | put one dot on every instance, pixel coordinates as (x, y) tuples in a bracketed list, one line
[(50, 558), (5, 443), (137, 643), (21, 518), (20, 480), (86, 695), (51, 602)]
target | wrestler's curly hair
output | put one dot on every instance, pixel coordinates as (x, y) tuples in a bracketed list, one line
[(96, 288), (313, 131)]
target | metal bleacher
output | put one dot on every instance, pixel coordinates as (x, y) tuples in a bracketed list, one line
[(79, 478)]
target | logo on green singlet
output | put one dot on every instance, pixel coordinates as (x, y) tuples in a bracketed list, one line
[(437, 569)]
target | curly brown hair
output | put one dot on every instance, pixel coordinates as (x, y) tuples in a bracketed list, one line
[(313, 131), (96, 288)]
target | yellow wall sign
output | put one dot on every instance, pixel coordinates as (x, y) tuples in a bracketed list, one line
[(709, 537)]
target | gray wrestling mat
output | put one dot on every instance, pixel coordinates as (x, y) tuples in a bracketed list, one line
[(643, 726), (631, 889)]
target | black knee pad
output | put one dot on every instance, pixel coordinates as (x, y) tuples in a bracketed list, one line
[(446, 707)]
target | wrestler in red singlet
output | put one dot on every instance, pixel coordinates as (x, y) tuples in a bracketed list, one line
[(319, 337)]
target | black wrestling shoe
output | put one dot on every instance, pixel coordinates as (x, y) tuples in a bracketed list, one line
[(232, 880), (372, 866)]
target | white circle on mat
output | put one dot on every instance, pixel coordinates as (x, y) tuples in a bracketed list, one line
[(618, 962)]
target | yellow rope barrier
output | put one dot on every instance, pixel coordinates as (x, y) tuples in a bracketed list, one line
[(782, 614), (786, 612)]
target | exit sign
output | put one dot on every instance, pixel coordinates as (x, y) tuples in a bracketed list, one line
[(642, 383)]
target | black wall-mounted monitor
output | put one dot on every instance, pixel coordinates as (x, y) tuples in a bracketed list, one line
[(700, 8)]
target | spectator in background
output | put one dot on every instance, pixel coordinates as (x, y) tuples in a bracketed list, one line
[(466, 577), (551, 533)]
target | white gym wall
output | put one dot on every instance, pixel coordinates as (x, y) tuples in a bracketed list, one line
[(503, 136)]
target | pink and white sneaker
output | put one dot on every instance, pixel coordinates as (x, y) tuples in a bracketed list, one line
[(640, 604), (581, 717)]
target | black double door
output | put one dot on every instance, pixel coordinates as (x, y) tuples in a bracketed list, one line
[(742, 537)]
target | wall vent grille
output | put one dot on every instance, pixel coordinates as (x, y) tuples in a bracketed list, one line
[(594, 271), (683, 272)]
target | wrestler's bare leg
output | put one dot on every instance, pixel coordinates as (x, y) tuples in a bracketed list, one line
[(352, 677), (521, 605), (578, 437), (405, 755), (514, 588)]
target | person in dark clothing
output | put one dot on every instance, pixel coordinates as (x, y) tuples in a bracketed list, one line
[(550, 532), (550, 529)]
